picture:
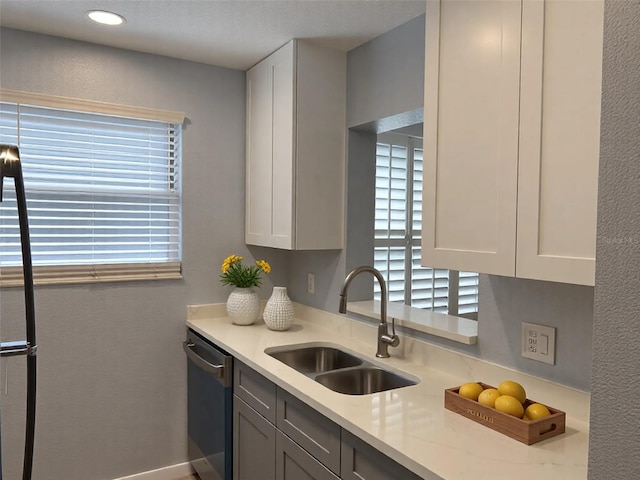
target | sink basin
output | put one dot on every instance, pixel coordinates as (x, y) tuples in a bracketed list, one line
[(316, 359), (338, 370), (362, 381)]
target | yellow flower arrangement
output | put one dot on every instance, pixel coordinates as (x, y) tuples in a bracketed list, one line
[(242, 276)]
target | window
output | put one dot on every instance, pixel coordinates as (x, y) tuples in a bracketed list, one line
[(103, 192), (398, 229)]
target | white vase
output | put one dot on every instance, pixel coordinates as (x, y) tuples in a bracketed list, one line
[(243, 306), (278, 313)]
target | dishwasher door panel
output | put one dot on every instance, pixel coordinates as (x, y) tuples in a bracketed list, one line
[(210, 414)]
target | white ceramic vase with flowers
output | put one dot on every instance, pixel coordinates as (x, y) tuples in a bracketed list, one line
[(243, 303)]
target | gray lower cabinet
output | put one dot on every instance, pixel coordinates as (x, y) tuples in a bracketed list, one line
[(294, 463), (276, 436), (360, 461), (314, 432), (256, 390), (254, 444)]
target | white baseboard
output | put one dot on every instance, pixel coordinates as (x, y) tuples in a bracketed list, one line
[(172, 472)]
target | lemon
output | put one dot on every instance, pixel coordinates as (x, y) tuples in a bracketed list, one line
[(510, 405), (513, 389), (470, 390), (488, 397), (536, 411)]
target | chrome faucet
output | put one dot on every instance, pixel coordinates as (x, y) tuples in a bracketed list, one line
[(384, 339)]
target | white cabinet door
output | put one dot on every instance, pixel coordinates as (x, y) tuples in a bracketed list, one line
[(472, 81), (559, 140), (269, 166), (259, 153), (282, 65)]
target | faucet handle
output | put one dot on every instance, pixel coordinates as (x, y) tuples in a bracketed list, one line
[(385, 341), (391, 340)]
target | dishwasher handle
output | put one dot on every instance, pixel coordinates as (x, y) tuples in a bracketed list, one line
[(220, 372)]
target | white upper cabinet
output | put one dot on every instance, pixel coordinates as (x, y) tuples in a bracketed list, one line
[(295, 165), (512, 128)]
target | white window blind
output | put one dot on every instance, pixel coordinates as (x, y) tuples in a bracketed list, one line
[(103, 195), (398, 229)]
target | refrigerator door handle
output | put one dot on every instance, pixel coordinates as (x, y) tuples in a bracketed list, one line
[(10, 167), (21, 347)]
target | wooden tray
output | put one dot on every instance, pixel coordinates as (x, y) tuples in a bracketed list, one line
[(524, 431)]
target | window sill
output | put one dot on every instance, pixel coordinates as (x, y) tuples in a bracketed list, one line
[(86, 274), (458, 329)]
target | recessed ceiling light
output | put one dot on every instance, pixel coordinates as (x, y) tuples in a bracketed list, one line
[(106, 18)]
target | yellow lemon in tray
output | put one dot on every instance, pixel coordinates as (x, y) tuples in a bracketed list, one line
[(510, 405), (536, 411), (488, 397), (470, 390), (513, 389)]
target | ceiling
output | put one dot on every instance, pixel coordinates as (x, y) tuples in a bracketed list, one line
[(229, 33)]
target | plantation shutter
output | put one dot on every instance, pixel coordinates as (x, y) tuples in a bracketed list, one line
[(390, 218), (103, 195), (467, 293), (398, 230)]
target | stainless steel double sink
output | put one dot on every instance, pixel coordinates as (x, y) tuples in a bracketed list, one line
[(338, 370)]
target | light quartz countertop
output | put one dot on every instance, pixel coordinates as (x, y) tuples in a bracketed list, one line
[(410, 424)]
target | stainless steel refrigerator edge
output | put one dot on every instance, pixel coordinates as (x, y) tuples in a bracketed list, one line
[(11, 167)]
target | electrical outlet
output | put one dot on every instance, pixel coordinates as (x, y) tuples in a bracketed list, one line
[(539, 342), (311, 283)]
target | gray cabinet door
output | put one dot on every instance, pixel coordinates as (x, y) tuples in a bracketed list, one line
[(311, 430), (257, 391), (294, 463), (254, 442), (360, 461)]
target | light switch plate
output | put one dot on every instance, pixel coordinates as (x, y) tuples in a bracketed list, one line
[(311, 283), (539, 342)]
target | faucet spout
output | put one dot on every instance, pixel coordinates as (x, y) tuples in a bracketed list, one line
[(384, 338), (343, 303)]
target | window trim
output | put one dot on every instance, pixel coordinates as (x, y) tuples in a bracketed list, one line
[(100, 273), (90, 106), (85, 274)]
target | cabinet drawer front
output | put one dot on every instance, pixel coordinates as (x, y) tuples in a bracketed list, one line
[(361, 461), (256, 390), (253, 443), (293, 463), (311, 430)]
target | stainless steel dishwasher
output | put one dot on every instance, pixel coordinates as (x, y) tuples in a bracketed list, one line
[(210, 407)]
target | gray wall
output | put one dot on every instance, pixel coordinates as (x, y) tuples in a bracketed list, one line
[(111, 371), (504, 303), (614, 450), (386, 75)]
